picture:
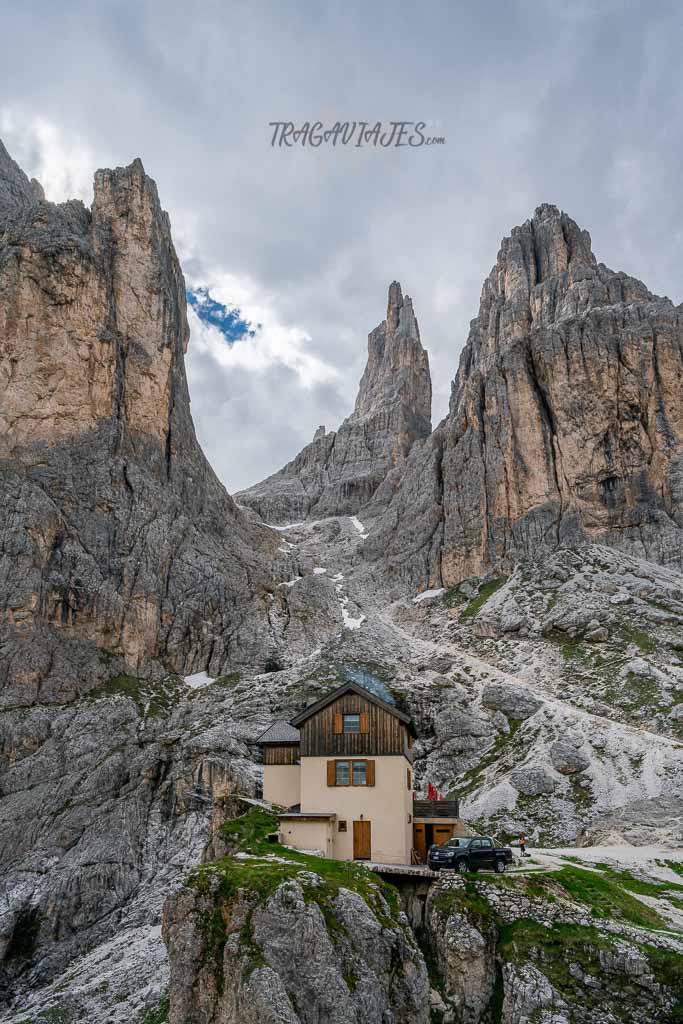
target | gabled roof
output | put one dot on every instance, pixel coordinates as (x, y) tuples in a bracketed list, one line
[(356, 688), (279, 732)]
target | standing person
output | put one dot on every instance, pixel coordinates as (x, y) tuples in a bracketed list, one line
[(522, 845)]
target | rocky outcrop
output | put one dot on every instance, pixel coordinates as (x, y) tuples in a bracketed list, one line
[(339, 472), (106, 803), (119, 548), (565, 422), (303, 955), (464, 947), (530, 951)]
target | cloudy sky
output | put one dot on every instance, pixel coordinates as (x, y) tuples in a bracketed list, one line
[(288, 252)]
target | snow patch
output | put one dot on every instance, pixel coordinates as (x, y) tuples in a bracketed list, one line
[(355, 521), (318, 571), (198, 679), (290, 583), (426, 594), (349, 621)]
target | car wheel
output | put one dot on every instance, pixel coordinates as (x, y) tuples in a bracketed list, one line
[(500, 867), (462, 867)]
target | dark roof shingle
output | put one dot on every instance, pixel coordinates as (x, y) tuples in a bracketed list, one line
[(279, 732)]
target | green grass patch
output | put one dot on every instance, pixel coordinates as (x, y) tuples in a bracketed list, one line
[(454, 598), (639, 637), (574, 650), (634, 693), (644, 888), (486, 590), (465, 900), (606, 896), (227, 682)]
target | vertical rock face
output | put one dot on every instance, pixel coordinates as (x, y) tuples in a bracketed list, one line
[(565, 423), (114, 532), (304, 955), (338, 473)]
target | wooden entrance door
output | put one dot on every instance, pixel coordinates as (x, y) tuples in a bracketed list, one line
[(420, 842), (362, 846)]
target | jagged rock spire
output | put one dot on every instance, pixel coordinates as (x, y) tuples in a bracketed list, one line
[(339, 472), (397, 371)]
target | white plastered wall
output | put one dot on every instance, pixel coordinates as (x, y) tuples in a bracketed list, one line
[(315, 834), (387, 805), (282, 784)]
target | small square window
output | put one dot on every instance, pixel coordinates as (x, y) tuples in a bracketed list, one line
[(342, 773), (351, 723), (342, 826), (359, 773)]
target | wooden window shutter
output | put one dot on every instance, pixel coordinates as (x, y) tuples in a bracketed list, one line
[(369, 773), (338, 724), (364, 722), (331, 774)]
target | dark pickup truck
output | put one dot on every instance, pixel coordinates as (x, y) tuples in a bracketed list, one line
[(469, 854)]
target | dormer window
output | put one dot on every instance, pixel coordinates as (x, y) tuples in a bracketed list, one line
[(351, 723)]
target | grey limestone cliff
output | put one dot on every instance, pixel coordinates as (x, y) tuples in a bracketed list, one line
[(115, 534), (565, 422)]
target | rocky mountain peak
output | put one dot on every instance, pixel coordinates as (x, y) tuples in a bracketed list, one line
[(339, 472), (565, 421), (122, 513), (397, 369), (395, 305)]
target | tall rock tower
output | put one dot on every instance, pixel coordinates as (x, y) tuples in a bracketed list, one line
[(339, 472), (565, 424), (119, 544)]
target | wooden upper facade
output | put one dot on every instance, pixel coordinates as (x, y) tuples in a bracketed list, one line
[(349, 722), (280, 753)]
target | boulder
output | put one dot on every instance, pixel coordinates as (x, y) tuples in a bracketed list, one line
[(514, 701), (533, 781), (567, 759)]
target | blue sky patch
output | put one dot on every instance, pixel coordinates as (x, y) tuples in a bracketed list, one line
[(228, 319)]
